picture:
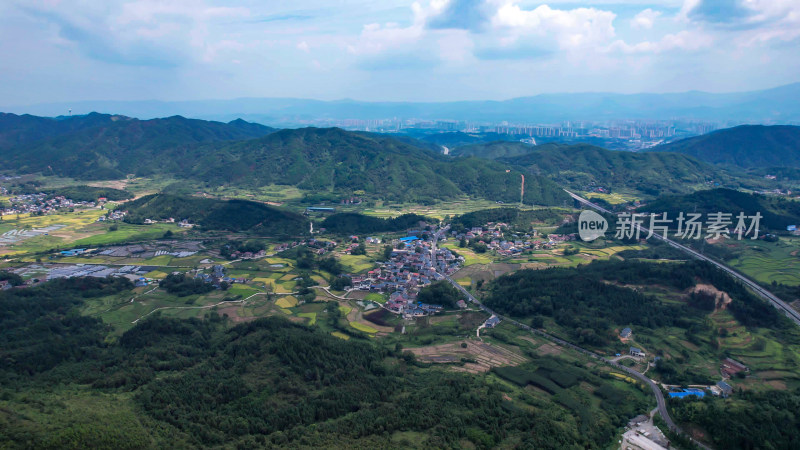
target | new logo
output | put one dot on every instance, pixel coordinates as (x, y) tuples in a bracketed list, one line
[(591, 225)]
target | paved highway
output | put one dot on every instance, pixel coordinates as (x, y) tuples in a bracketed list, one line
[(662, 406), (790, 312)]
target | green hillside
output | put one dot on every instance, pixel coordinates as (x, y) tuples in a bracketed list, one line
[(90, 193), (317, 159), (269, 383), (511, 216), (747, 146), (212, 214), (331, 159), (25, 129), (353, 223), (123, 146), (777, 212), (583, 166)]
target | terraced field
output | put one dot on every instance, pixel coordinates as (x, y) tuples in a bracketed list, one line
[(767, 261), (484, 355)]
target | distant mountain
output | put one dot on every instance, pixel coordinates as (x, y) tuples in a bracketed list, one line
[(20, 130), (100, 146), (213, 214), (777, 212), (747, 146), (316, 159), (777, 105), (583, 166)]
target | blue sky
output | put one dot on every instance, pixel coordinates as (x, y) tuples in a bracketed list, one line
[(428, 50)]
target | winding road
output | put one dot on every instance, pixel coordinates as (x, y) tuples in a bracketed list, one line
[(790, 312), (660, 401)]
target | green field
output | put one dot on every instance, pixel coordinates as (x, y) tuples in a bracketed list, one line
[(375, 297), (437, 211), (365, 328), (614, 199), (357, 263), (768, 261), (311, 316), (470, 257)]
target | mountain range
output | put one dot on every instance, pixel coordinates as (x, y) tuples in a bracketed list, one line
[(776, 105), (587, 167), (246, 154), (746, 146)]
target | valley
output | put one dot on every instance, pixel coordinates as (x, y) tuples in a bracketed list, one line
[(439, 275)]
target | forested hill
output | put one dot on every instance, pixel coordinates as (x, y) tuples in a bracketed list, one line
[(331, 159), (212, 214), (319, 159), (123, 146), (583, 165), (28, 132), (24, 129), (747, 146), (777, 212)]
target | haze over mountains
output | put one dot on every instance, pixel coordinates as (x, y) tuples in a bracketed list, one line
[(746, 146), (328, 160), (777, 105), (245, 154)]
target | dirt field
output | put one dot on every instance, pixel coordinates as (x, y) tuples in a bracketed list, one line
[(357, 315), (486, 356)]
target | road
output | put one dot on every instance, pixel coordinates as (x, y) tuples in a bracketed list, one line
[(662, 405), (790, 312)]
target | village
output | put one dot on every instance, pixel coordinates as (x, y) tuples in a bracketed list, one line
[(409, 269), (494, 236), (38, 204)]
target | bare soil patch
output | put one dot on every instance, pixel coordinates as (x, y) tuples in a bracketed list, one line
[(723, 299), (484, 354)]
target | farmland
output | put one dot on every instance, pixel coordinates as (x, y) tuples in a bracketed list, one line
[(768, 261)]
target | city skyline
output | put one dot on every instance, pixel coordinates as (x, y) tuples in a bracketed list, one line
[(441, 50)]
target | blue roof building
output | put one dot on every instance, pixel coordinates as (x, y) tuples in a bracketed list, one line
[(625, 333), (688, 393)]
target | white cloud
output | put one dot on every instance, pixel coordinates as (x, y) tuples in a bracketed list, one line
[(303, 46), (580, 27), (645, 19), (683, 40)]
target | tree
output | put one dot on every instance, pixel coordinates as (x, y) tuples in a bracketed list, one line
[(341, 283), (387, 252), (360, 250), (439, 293)]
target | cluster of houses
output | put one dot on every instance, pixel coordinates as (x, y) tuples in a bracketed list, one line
[(41, 204), (406, 272), (493, 235), (217, 277), (249, 255), (112, 216), (351, 201), (181, 223)]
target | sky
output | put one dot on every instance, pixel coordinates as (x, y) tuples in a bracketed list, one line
[(390, 50)]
